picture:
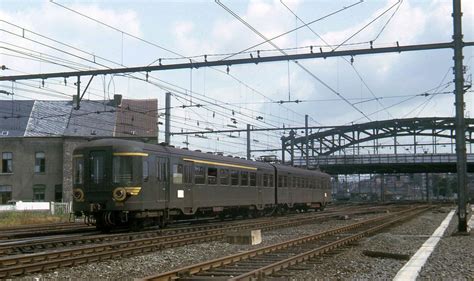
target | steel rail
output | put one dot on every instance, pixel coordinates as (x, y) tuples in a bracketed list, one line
[(277, 266), (28, 247), (188, 271), (24, 232), (23, 264)]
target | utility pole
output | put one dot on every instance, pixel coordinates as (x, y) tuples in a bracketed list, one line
[(292, 147), (460, 124), (307, 140), (167, 117), (283, 148), (248, 141)]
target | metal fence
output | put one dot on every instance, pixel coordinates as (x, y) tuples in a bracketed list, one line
[(381, 159), (54, 208)]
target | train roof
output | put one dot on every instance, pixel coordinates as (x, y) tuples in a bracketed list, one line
[(121, 145)]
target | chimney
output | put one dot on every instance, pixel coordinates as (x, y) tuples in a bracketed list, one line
[(117, 100)]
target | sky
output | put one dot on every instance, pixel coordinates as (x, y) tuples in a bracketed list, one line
[(51, 36)]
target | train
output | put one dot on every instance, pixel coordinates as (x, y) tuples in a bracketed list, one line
[(126, 183)]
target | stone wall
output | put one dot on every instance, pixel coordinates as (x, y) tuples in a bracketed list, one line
[(69, 145), (24, 177)]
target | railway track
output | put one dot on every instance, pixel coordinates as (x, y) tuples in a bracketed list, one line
[(22, 246), (272, 260), (123, 245), (7, 233)]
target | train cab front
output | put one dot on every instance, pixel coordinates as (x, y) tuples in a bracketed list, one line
[(107, 180)]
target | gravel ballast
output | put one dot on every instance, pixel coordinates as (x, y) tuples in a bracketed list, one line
[(348, 264)]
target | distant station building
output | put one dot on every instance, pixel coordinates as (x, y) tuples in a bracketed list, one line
[(37, 139)]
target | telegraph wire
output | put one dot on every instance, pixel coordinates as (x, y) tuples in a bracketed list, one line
[(284, 53), (368, 24), (288, 32), (160, 47)]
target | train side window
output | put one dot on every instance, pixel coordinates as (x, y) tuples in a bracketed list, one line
[(161, 170), (270, 181), (259, 179), (285, 181), (211, 175), (177, 173), (145, 171), (297, 183), (234, 177), (199, 175), (280, 181), (187, 175), (244, 178), (224, 176), (265, 180), (159, 176), (253, 179)]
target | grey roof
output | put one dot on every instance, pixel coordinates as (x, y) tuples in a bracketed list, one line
[(94, 118), (14, 117), (48, 118)]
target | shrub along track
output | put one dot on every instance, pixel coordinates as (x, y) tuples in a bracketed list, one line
[(268, 261), (123, 245)]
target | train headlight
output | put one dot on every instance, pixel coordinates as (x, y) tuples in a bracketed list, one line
[(78, 194), (119, 194), (325, 194)]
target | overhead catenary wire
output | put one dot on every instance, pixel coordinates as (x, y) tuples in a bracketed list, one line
[(296, 62), (159, 46), (86, 59)]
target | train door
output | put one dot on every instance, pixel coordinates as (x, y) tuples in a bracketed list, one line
[(98, 167), (163, 183), (190, 206)]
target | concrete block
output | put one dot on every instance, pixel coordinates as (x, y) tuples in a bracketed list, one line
[(344, 217), (244, 237)]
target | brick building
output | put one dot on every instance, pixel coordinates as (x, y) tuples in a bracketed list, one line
[(37, 139)]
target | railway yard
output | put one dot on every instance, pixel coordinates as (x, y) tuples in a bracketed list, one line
[(343, 242)]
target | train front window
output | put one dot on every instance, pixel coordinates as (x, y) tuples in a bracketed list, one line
[(123, 170), (78, 167), (97, 165)]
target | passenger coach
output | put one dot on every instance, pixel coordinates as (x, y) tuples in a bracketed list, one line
[(128, 183)]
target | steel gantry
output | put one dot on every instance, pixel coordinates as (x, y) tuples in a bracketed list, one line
[(342, 138)]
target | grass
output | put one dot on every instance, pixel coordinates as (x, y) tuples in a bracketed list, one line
[(19, 218)]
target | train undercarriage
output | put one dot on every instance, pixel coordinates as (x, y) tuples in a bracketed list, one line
[(136, 220)]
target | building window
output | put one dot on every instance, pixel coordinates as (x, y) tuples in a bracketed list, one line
[(40, 162), (5, 193), (39, 191), (7, 162), (58, 193)]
